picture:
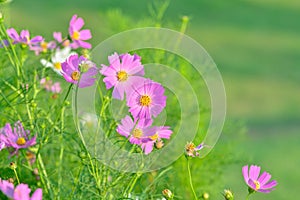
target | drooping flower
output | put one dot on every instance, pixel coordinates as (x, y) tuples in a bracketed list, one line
[(21, 192), (192, 150), (57, 59), (147, 100), (256, 182), (23, 38), (16, 138), (77, 35), (123, 72), (49, 86), (157, 134), (80, 71)]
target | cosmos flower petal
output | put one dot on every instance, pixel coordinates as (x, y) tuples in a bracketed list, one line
[(37, 195), (85, 34), (265, 177), (12, 33), (22, 192), (269, 185), (254, 172), (245, 173), (7, 188), (147, 147)]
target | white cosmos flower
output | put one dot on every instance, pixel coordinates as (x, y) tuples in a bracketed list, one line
[(57, 58)]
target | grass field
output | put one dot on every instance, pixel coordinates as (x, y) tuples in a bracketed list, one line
[(256, 46)]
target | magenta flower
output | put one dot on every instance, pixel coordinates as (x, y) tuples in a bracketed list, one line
[(256, 183), (147, 100), (135, 131), (16, 138), (140, 133), (21, 192), (43, 47), (156, 135), (80, 71), (123, 72), (23, 38), (77, 35)]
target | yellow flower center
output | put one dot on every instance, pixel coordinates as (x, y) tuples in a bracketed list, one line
[(137, 133), (75, 75), (145, 100), (21, 141), (154, 137), (76, 35), (44, 46), (257, 185), (122, 76), (190, 147), (57, 65)]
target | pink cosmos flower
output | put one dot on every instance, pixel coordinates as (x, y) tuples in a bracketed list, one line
[(157, 133), (80, 71), (256, 183), (147, 100), (43, 47), (24, 37), (21, 192), (16, 138), (134, 130), (49, 86), (123, 72), (142, 134), (77, 35)]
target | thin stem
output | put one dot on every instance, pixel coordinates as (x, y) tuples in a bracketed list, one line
[(190, 177), (247, 197), (16, 174), (44, 172)]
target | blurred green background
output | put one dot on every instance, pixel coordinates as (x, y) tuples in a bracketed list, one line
[(256, 45)]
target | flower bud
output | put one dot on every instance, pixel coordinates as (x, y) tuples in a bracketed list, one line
[(12, 165), (167, 194), (185, 19), (11, 180), (205, 195), (159, 144), (228, 195), (1, 17)]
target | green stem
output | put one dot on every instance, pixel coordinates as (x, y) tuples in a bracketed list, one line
[(17, 177), (133, 182), (190, 177), (247, 197), (45, 176)]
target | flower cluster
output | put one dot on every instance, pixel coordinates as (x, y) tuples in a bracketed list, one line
[(49, 86), (20, 192), (144, 97), (15, 138)]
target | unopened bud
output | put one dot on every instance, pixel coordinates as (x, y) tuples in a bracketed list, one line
[(1, 17), (11, 180), (13, 165), (185, 19), (167, 194), (205, 195), (228, 195), (159, 144)]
